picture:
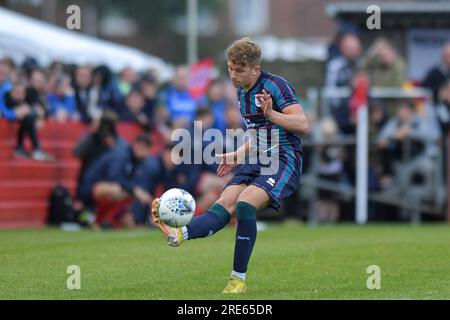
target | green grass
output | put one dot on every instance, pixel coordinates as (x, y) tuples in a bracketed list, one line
[(289, 262)]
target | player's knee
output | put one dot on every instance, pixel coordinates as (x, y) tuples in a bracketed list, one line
[(230, 206)]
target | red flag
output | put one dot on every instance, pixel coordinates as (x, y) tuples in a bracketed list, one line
[(360, 94), (201, 76)]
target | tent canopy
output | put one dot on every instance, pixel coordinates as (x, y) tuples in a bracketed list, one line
[(22, 37)]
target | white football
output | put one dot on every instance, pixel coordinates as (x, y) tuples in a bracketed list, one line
[(176, 207)]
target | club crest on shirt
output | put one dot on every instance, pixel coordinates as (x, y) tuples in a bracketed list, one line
[(257, 103)]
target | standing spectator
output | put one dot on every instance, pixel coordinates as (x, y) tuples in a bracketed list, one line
[(384, 66), (61, 103), (179, 103), (340, 72), (439, 74)]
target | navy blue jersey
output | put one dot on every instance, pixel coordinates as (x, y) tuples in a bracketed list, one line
[(283, 95)]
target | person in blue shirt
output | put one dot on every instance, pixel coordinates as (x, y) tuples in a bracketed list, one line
[(117, 178), (61, 103), (179, 103), (6, 86), (215, 99)]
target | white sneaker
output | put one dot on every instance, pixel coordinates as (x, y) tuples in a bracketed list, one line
[(39, 155)]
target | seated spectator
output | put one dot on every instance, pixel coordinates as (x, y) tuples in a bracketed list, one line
[(330, 168), (37, 91), (17, 109), (105, 89), (177, 100), (86, 103), (216, 100), (186, 176), (126, 81), (148, 85), (95, 144), (384, 66), (5, 80), (443, 117), (112, 182), (209, 185), (408, 130), (439, 74), (10, 69), (61, 103), (234, 138), (134, 110)]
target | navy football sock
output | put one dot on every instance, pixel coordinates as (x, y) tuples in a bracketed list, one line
[(245, 235), (208, 223)]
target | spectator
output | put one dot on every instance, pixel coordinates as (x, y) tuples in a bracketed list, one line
[(148, 85), (344, 29), (179, 103), (443, 117), (61, 103), (340, 72), (216, 100), (407, 129), (105, 90), (95, 144), (171, 175), (209, 185), (5, 80), (439, 74), (37, 90), (113, 181), (85, 102), (28, 66), (330, 168), (384, 66), (126, 81), (17, 109), (134, 110)]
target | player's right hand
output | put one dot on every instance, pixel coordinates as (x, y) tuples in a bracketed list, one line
[(227, 163)]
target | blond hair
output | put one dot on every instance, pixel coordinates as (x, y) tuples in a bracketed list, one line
[(244, 52)]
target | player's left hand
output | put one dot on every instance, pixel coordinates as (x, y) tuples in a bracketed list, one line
[(266, 103)]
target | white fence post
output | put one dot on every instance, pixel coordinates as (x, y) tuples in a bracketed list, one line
[(362, 159)]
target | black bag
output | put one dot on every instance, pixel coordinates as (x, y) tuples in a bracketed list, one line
[(60, 206)]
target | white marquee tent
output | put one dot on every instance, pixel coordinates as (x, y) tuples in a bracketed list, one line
[(22, 36)]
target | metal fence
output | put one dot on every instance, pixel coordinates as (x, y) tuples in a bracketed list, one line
[(430, 197)]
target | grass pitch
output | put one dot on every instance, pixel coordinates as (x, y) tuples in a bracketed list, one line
[(288, 262)]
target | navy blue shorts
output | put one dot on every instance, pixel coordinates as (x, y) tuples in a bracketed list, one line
[(279, 185)]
